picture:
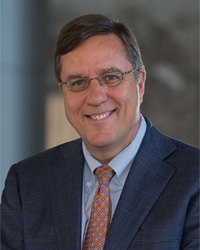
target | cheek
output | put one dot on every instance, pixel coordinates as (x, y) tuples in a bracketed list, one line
[(69, 105), (73, 105), (130, 97)]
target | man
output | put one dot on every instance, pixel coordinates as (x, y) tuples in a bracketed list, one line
[(57, 199)]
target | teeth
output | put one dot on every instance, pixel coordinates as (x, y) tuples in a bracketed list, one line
[(99, 117)]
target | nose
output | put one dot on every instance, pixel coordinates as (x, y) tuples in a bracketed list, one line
[(97, 78), (96, 92)]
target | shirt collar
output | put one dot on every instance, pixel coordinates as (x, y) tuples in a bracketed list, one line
[(123, 161)]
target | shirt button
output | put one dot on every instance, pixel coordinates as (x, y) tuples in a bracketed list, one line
[(88, 184)]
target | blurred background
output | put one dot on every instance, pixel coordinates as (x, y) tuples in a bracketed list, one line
[(32, 111)]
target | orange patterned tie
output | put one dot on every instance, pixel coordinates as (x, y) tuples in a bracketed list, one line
[(100, 212)]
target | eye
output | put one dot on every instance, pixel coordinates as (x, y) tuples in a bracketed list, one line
[(77, 82), (110, 78)]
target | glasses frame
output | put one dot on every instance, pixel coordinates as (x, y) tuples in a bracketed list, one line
[(98, 79)]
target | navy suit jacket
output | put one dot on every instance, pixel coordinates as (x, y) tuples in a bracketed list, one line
[(158, 208)]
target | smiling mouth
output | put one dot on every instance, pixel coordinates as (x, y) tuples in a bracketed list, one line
[(100, 116)]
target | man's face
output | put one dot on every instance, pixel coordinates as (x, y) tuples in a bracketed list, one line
[(107, 118)]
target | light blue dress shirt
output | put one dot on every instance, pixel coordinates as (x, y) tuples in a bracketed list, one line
[(121, 164)]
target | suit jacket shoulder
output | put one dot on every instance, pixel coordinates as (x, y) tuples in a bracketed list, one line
[(42, 199)]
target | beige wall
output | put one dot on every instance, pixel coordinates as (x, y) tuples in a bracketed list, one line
[(57, 129)]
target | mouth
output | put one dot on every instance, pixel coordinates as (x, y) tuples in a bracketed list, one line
[(100, 116)]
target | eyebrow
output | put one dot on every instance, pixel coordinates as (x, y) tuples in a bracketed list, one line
[(101, 71), (109, 70)]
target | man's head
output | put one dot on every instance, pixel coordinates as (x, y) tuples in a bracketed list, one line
[(102, 93), (74, 33)]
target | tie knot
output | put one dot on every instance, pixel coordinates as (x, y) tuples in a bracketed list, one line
[(104, 174)]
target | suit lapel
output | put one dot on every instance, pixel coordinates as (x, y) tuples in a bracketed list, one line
[(147, 179), (66, 193)]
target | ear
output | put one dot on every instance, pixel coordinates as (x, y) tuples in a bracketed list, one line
[(141, 84)]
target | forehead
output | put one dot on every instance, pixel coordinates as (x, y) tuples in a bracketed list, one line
[(102, 40), (101, 51)]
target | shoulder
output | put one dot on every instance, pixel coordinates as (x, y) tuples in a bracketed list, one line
[(46, 159), (33, 173), (186, 149), (185, 158), (55, 153), (170, 146), (180, 155)]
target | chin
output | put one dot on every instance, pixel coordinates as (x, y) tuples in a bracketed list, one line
[(101, 142)]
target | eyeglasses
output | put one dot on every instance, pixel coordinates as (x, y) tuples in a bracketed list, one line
[(108, 79)]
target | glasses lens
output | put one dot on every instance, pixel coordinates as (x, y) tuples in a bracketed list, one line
[(111, 78), (78, 84)]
